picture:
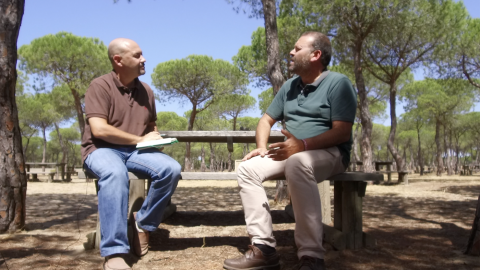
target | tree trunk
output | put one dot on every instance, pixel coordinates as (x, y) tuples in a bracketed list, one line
[(230, 167), (44, 144), (13, 180), (355, 156), (273, 52), (203, 168), (212, 158), (365, 119), (273, 66), (447, 149), (412, 159), (79, 110), (393, 129), (188, 163), (25, 148), (420, 159), (62, 144), (439, 148)]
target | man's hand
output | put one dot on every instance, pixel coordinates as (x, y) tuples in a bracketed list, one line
[(151, 136), (259, 151), (283, 150)]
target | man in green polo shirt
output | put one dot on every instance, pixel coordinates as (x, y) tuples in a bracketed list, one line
[(318, 107)]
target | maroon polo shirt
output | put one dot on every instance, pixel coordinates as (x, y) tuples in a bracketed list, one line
[(129, 110)]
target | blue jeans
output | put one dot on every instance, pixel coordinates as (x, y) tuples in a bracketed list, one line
[(111, 166)]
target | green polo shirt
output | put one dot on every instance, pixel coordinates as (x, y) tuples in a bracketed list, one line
[(309, 110)]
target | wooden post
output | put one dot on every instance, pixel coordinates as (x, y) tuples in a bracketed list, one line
[(324, 191), (473, 233), (352, 215), (389, 174), (337, 202)]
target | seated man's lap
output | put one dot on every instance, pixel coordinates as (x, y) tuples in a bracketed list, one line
[(149, 162), (323, 163), (154, 163)]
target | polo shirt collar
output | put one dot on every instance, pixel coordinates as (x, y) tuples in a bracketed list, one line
[(120, 85), (317, 82)]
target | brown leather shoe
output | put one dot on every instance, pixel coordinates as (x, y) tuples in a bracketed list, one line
[(311, 263), (115, 262), (253, 260), (140, 239)]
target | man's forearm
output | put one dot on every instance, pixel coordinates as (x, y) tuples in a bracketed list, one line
[(331, 138), (114, 135), (152, 126), (263, 131)]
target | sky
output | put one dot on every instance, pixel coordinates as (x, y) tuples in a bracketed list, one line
[(164, 29)]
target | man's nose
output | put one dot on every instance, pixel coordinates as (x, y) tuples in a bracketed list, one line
[(142, 59)]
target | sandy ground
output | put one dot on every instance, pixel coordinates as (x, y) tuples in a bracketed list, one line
[(423, 225)]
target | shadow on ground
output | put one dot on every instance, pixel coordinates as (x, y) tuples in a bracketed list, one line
[(411, 233)]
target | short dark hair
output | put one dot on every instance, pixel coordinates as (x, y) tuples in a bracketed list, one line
[(321, 42)]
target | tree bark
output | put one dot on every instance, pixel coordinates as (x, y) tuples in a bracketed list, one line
[(273, 67), (44, 156), (188, 163), (13, 180), (365, 118), (212, 158), (230, 161), (393, 129), (62, 144), (420, 159), (273, 52), (439, 148), (79, 110), (447, 149), (203, 168)]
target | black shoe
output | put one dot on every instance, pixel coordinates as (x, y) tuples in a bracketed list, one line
[(253, 259), (311, 263)]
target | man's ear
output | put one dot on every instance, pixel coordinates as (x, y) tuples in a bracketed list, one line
[(316, 55), (117, 60)]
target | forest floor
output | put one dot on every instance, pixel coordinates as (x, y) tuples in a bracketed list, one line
[(423, 225)]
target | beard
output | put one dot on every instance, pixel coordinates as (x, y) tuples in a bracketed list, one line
[(141, 70), (299, 65)]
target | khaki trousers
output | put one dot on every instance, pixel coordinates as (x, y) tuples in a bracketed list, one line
[(302, 170)]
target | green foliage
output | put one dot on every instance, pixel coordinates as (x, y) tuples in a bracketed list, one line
[(265, 98), (234, 105), (171, 121), (71, 137), (248, 123), (22, 79), (252, 59), (198, 79), (66, 58), (35, 149), (469, 55)]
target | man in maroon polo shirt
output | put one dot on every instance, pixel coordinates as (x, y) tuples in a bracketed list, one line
[(120, 112)]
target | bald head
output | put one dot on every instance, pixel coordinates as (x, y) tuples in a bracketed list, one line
[(119, 46)]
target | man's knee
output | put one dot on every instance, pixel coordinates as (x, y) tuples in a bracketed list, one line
[(247, 173)]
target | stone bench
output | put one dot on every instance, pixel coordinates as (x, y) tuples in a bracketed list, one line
[(51, 176)]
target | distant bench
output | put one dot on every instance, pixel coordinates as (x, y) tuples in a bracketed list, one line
[(51, 175)]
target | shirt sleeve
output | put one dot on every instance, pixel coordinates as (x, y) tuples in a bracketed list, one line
[(343, 101), (275, 110), (97, 101)]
